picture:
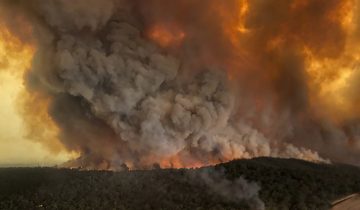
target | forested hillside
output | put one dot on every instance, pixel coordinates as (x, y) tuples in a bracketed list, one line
[(240, 184)]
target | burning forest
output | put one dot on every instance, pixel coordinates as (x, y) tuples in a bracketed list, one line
[(135, 83)]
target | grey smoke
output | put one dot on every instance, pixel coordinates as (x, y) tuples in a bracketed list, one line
[(236, 190), (138, 92), (120, 99)]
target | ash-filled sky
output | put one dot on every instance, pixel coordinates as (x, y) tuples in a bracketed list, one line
[(182, 83)]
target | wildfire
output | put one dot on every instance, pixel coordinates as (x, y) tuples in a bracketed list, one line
[(330, 78), (166, 36), (181, 161), (291, 66), (12, 48), (27, 111), (327, 72), (244, 9)]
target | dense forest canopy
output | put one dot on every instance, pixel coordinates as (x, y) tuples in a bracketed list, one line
[(240, 184)]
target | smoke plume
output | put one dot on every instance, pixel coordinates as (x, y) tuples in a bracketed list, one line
[(234, 190), (190, 83)]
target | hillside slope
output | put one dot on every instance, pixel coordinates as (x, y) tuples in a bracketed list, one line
[(281, 184)]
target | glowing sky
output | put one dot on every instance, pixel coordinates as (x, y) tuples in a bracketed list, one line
[(15, 147)]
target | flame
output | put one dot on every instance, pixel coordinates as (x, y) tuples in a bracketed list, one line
[(166, 36), (11, 48), (27, 117), (245, 53), (330, 78), (181, 160), (328, 73), (244, 9)]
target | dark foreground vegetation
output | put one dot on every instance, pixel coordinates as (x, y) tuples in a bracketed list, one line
[(285, 184)]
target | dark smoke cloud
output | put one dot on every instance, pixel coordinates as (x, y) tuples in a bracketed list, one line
[(118, 98)]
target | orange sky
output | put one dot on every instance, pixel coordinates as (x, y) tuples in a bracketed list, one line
[(15, 146)]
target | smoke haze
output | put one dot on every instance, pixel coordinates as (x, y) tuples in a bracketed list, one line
[(191, 83)]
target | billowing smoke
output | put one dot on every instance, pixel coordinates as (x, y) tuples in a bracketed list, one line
[(234, 190), (189, 83)]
